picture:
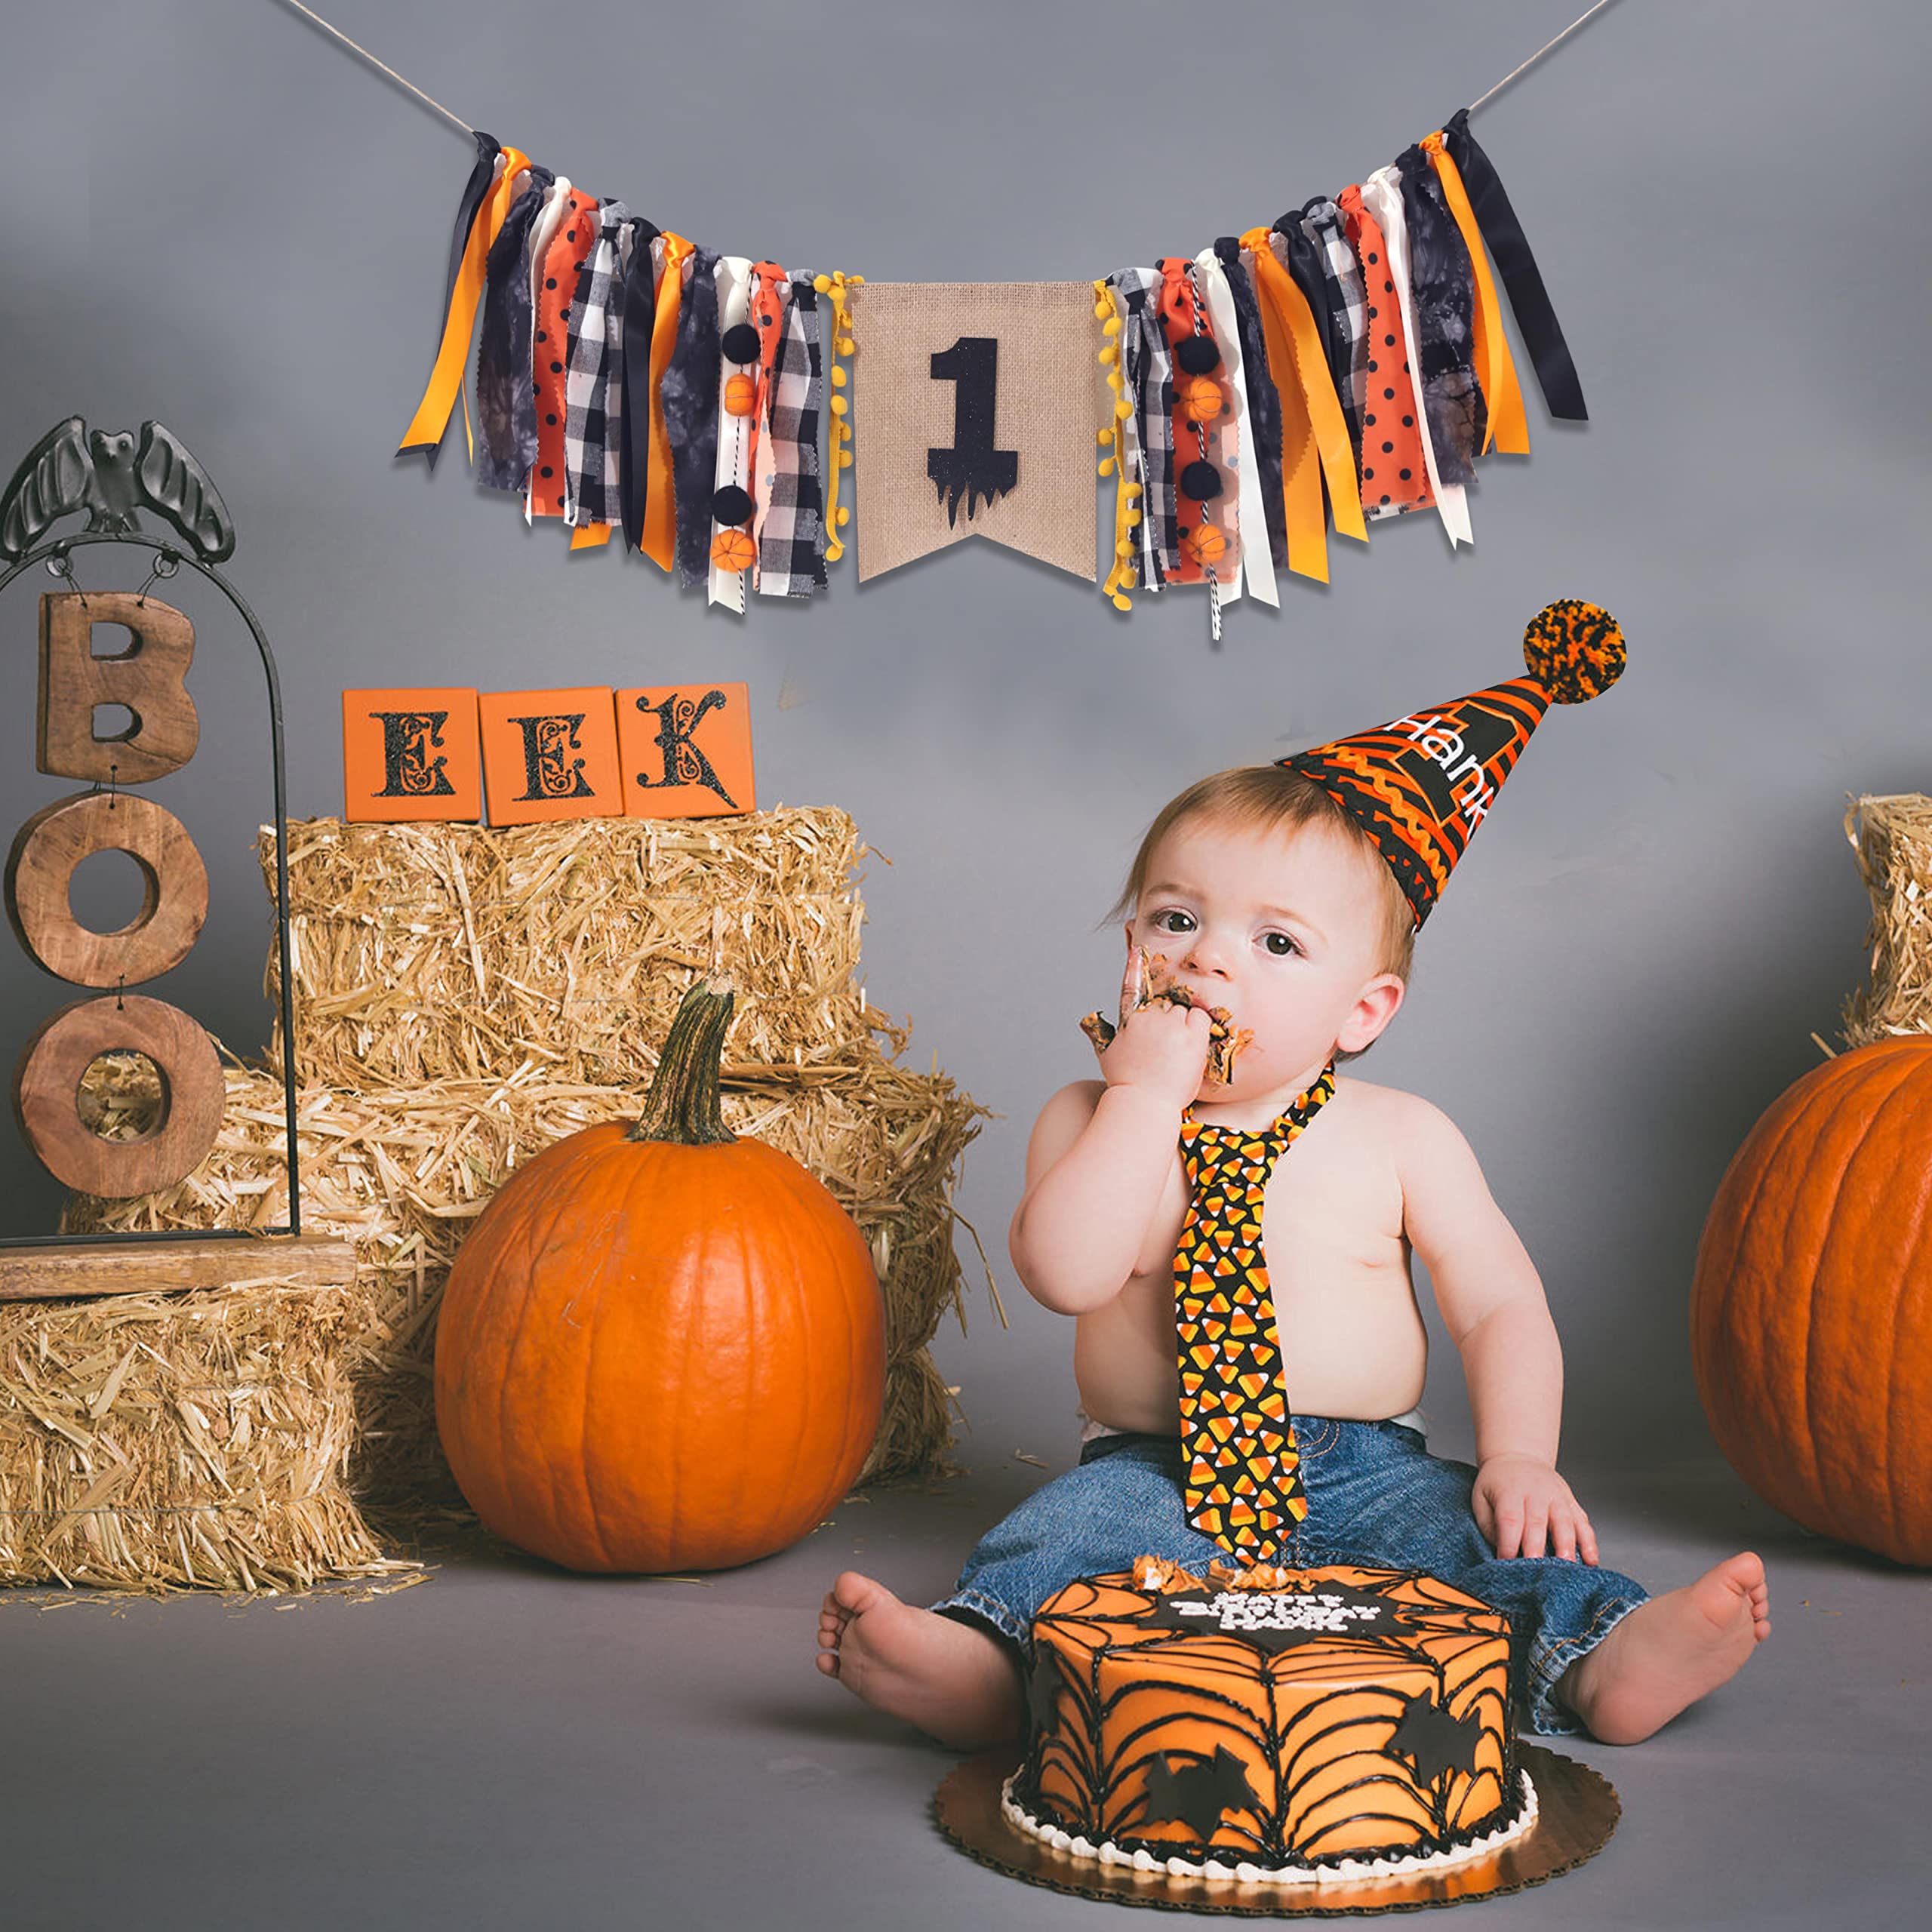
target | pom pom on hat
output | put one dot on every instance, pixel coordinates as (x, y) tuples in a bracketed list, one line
[(1573, 650)]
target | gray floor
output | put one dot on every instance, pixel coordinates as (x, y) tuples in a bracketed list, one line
[(507, 1745)]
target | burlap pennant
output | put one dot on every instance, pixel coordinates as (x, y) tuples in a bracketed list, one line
[(977, 411)]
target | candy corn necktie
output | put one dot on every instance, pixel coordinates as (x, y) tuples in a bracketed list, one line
[(1243, 1486)]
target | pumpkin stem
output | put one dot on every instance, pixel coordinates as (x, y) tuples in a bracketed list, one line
[(683, 1105)]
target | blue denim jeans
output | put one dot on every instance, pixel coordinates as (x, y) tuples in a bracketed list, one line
[(1376, 1496)]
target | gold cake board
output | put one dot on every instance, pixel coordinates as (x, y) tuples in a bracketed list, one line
[(1577, 1810)]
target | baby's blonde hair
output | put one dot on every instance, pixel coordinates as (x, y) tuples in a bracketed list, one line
[(1265, 797)]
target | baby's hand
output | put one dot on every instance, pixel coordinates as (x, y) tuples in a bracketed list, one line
[(1517, 1500), (1160, 1046)]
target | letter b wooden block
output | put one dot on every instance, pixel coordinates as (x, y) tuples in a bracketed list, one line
[(148, 677)]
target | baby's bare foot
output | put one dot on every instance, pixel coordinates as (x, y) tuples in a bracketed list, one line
[(957, 1683), (1670, 1651)]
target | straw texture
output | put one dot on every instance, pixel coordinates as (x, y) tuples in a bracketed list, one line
[(1892, 837)]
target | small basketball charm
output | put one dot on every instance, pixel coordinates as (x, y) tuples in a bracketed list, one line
[(1200, 399), (733, 550)]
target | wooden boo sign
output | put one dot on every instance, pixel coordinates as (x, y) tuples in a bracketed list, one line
[(146, 681), (672, 751)]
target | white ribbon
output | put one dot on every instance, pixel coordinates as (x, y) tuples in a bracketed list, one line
[(734, 302), (1255, 562), (1381, 195)]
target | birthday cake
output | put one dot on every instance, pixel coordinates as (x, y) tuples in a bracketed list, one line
[(1270, 1724)]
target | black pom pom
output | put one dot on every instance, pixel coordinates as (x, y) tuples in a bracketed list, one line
[(731, 504), (1198, 356), (1201, 481), (741, 344)]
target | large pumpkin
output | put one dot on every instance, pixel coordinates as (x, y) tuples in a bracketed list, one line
[(662, 1347), (1811, 1315)]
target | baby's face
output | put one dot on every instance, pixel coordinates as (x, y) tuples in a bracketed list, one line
[(1282, 927)]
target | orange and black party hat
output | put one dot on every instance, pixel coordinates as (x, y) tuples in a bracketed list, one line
[(1420, 786)]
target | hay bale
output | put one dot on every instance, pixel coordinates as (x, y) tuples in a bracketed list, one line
[(428, 952), (1892, 838), (402, 1172), (151, 1442)]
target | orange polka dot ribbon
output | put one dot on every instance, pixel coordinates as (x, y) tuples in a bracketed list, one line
[(1395, 478), (1242, 1480), (554, 275)]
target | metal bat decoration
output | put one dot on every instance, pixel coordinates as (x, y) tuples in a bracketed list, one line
[(74, 468)]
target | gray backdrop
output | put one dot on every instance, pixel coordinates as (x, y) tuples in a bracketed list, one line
[(220, 219)]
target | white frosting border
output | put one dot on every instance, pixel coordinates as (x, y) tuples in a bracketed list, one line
[(1327, 1871)]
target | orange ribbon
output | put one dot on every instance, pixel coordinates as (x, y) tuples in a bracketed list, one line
[(660, 509), (588, 536), (432, 413), (1315, 433), (1509, 427)]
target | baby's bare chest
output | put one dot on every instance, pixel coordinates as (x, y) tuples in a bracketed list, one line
[(1329, 1207)]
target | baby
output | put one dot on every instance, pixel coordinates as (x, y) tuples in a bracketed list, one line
[(1271, 901)]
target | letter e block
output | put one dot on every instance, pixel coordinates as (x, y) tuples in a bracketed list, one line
[(549, 755), (149, 678), (410, 755), (687, 751)]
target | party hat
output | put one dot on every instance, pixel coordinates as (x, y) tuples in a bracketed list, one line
[(1419, 786)]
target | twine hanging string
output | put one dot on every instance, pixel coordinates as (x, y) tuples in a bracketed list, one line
[(458, 122)]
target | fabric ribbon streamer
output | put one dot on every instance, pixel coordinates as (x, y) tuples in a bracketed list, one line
[(432, 414), (1382, 196), (1261, 435), (640, 315), (1396, 479), (770, 289), (1542, 335), (1496, 370), (791, 544), (1320, 221), (1149, 378), (1315, 434), (660, 512), (688, 394), (571, 221), (1442, 297), (593, 390), (1251, 563), (482, 178), (505, 406), (731, 464)]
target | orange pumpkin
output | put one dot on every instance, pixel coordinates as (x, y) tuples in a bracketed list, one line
[(662, 1347), (1811, 1315)]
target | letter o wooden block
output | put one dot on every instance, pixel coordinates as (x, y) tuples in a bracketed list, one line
[(40, 875), (47, 1084)]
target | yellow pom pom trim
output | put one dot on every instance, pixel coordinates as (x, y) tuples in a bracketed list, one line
[(837, 286)]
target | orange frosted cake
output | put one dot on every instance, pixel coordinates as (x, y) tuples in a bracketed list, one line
[(1270, 1724)]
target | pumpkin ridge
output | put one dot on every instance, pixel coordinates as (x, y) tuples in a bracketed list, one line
[(582, 1460), (1755, 1172), (561, 1199), (1850, 1093), (1893, 1529)]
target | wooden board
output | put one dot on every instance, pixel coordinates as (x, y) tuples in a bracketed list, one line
[(172, 1267)]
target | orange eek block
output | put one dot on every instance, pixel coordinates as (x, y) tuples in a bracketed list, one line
[(410, 755), (550, 755), (686, 750)]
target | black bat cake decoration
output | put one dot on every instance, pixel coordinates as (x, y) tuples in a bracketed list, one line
[(111, 476), (1198, 1796), (1433, 1741)]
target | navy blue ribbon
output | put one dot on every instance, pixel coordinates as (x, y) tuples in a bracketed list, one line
[(1542, 335), (482, 178), (689, 395), (506, 401)]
